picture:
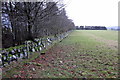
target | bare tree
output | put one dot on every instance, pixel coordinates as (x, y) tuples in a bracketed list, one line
[(29, 20)]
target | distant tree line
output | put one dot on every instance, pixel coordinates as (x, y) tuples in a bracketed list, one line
[(91, 28), (115, 29), (23, 21)]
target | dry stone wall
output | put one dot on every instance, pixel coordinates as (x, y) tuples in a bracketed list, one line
[(29, 47)]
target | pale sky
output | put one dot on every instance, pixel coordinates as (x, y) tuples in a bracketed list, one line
[(93, 12)]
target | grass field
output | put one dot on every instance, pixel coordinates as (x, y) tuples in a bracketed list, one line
[(83, 54)]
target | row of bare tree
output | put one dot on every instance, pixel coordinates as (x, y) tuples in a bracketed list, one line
[(23, 21)]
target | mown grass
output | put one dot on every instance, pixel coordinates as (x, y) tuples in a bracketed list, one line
[(106, 34), (90, 58), (79, 56)]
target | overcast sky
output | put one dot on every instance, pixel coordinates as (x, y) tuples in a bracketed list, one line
[(93, 12)]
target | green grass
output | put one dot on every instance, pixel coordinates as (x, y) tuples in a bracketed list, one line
[(106, 34), (81, 55), (102, 59)]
